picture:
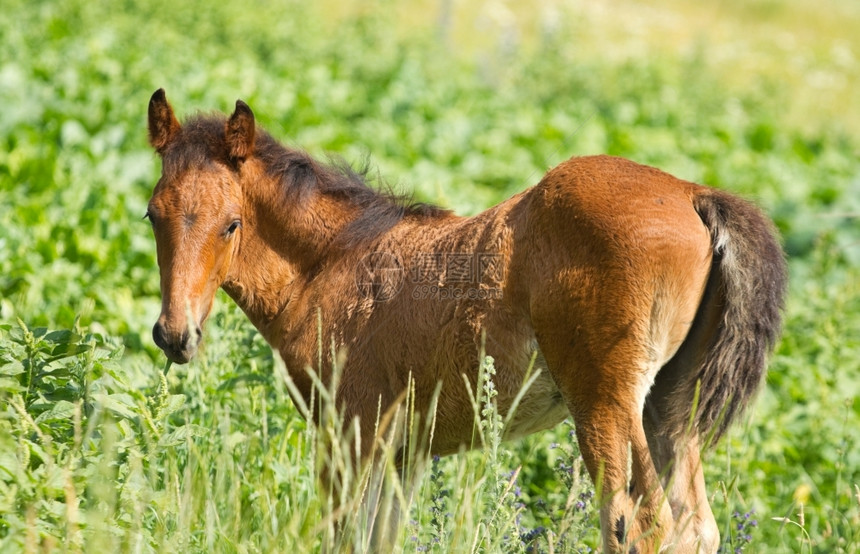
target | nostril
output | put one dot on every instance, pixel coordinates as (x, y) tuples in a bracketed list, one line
[(158, 335), (189, 340), (198, 334)]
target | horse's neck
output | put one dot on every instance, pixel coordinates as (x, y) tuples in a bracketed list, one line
[(282, 243), (259, 280)]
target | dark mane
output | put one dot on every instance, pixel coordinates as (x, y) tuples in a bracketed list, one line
[(202, 141)]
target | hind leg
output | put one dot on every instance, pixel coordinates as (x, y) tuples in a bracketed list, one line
[(675, 446), (696, 528), (604, 366), (680, 466), (604, 380), (634, 515)]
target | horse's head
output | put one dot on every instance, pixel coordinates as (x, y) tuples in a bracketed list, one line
[(196, 212)]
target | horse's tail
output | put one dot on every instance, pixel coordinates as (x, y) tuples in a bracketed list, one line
[(739, 320)]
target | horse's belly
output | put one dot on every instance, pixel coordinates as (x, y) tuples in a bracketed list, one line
[(541, 407)]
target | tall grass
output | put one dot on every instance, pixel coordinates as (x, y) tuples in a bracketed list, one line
[(121, 469)]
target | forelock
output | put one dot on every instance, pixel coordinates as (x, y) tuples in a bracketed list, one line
[(199, 144)]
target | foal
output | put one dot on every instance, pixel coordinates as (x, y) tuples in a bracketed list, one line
[(648, 303)]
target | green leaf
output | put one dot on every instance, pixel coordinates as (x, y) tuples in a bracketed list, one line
[(173, 403), (11, 385), (13, 367), (63, 336), (55, 371), (69, 392), (64, 350), (178, 436), (119, 404), (62, 410)]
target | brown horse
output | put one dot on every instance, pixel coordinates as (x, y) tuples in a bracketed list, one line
[(649, 303)]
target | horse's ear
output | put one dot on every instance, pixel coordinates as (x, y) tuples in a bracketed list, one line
[(240, 131), (163, 125)]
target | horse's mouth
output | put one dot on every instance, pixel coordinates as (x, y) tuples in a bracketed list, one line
[(179, 356), (178, 350)]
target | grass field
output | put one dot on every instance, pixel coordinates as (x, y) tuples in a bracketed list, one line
[(463, 104)]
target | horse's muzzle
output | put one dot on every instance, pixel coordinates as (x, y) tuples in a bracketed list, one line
[(179, 348)]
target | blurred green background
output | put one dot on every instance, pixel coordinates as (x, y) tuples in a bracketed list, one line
[(462, 103)]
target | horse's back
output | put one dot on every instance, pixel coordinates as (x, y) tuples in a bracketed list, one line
[(615, 202)]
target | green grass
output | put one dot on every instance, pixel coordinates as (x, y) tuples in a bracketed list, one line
[(100, 449)]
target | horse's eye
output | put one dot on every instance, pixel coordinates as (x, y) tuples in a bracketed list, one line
[(148, 215), (232, 228)]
